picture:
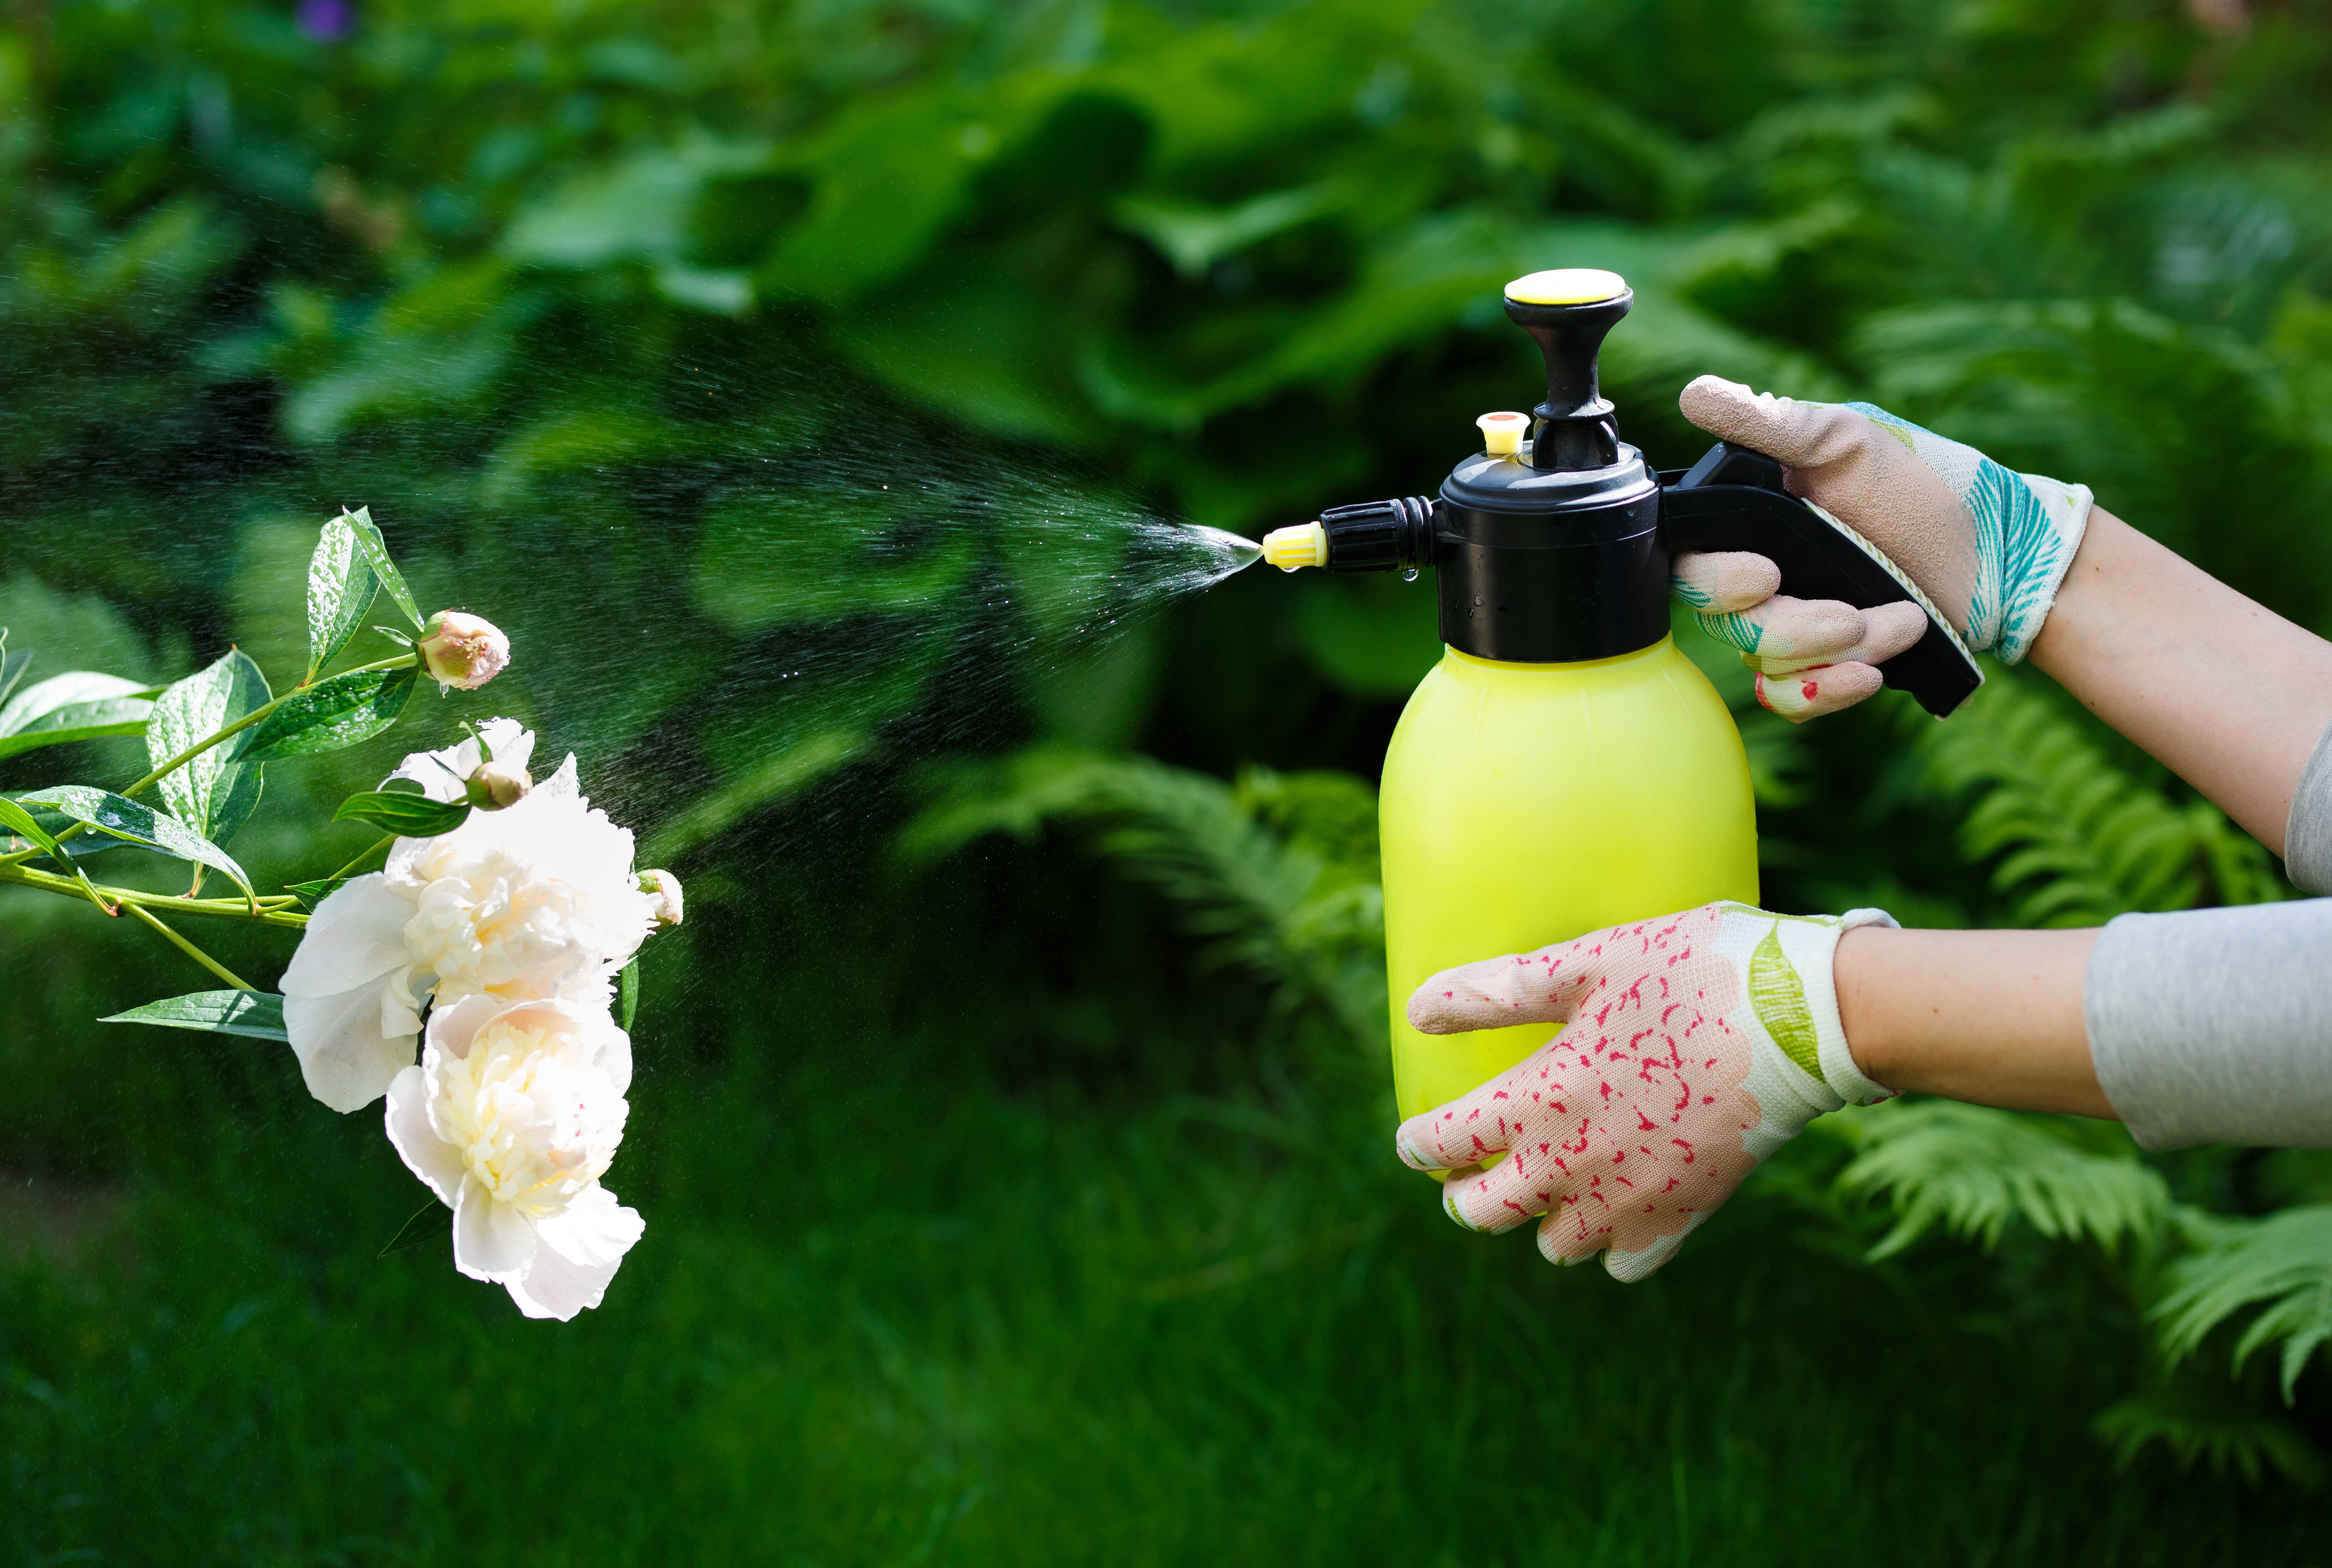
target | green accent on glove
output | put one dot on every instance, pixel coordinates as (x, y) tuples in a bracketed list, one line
[(1778, 997)]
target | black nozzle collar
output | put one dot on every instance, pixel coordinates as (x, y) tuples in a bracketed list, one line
[(1381, 535)]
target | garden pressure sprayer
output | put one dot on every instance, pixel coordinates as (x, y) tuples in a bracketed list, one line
[(1565, 767)]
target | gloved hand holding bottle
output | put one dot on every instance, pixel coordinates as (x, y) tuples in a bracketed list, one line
[(1693, 1047), (1988, 547)]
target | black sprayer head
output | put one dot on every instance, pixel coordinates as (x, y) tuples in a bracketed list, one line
[(1561, 553), (1540, 557), (1568, 312)]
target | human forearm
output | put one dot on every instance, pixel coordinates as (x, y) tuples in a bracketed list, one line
[(1694, 1045), (1990, 1016), (2227, 693)]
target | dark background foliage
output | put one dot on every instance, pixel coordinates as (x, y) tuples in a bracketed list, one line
[(1024, 1195)]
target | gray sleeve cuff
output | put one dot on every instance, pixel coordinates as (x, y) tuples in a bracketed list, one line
[(2215, 1026), (2308, 831)]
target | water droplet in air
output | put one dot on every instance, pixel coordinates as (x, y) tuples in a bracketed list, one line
[(1409, 574)]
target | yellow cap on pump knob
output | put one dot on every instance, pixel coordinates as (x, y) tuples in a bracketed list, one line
[(1567, 286)]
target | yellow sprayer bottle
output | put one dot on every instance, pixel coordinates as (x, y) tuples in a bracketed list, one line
[(1565, 767)]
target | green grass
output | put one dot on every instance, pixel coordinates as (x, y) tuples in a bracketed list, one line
[(900, 1302)]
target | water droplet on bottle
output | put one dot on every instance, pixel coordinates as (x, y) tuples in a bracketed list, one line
[(1409, 574)]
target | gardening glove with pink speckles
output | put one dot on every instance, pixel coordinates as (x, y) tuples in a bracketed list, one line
[(1987, 547), (1692, 1047)]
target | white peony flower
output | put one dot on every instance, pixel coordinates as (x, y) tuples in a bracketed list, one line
[(537, 901), (511, 1118)]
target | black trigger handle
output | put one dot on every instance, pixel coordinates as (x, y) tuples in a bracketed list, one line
[(1733, 499)]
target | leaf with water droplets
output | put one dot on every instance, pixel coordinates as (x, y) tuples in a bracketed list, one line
[(340, 589), (375, 556), (126, 819), (331, 716), (214, 793)]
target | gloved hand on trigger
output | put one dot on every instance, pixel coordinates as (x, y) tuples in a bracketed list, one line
[(1987, 546), (1811, 656), (1693, 1047)]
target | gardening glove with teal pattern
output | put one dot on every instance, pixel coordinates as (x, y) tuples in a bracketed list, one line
[(1692, 1047), (1811, 656), (1988, 547)]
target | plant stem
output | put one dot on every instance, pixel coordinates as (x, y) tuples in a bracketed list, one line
[(191, 752), (192, 952), (360, 859), (271, 911)]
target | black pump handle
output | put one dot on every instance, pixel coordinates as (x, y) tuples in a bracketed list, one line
[(1733, 499), (1575, 428)]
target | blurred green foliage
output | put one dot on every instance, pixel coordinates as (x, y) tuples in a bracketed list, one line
[(621, 318)]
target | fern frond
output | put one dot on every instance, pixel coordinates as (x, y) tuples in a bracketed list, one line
[(1277, 874), (2284, 1260), (1973, 1170), (1017, 797), (2217, 1424), (2080, 840)]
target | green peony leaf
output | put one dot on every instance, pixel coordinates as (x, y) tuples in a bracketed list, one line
[(330, 716), (20, 822), (80, 722), (126, 819), (51, 822), (215, 793), (340, 589), (81, 705), (35, 704), (627, 994), (403, 813), (375, 550), (311, 894), (258, 1014), (12, 667)]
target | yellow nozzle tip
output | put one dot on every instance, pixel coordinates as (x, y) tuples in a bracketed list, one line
[(1306, 544), (1567, 286)]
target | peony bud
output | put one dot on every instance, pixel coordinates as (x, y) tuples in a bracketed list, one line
[(460, 649), (665, 888), (497, 784)]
